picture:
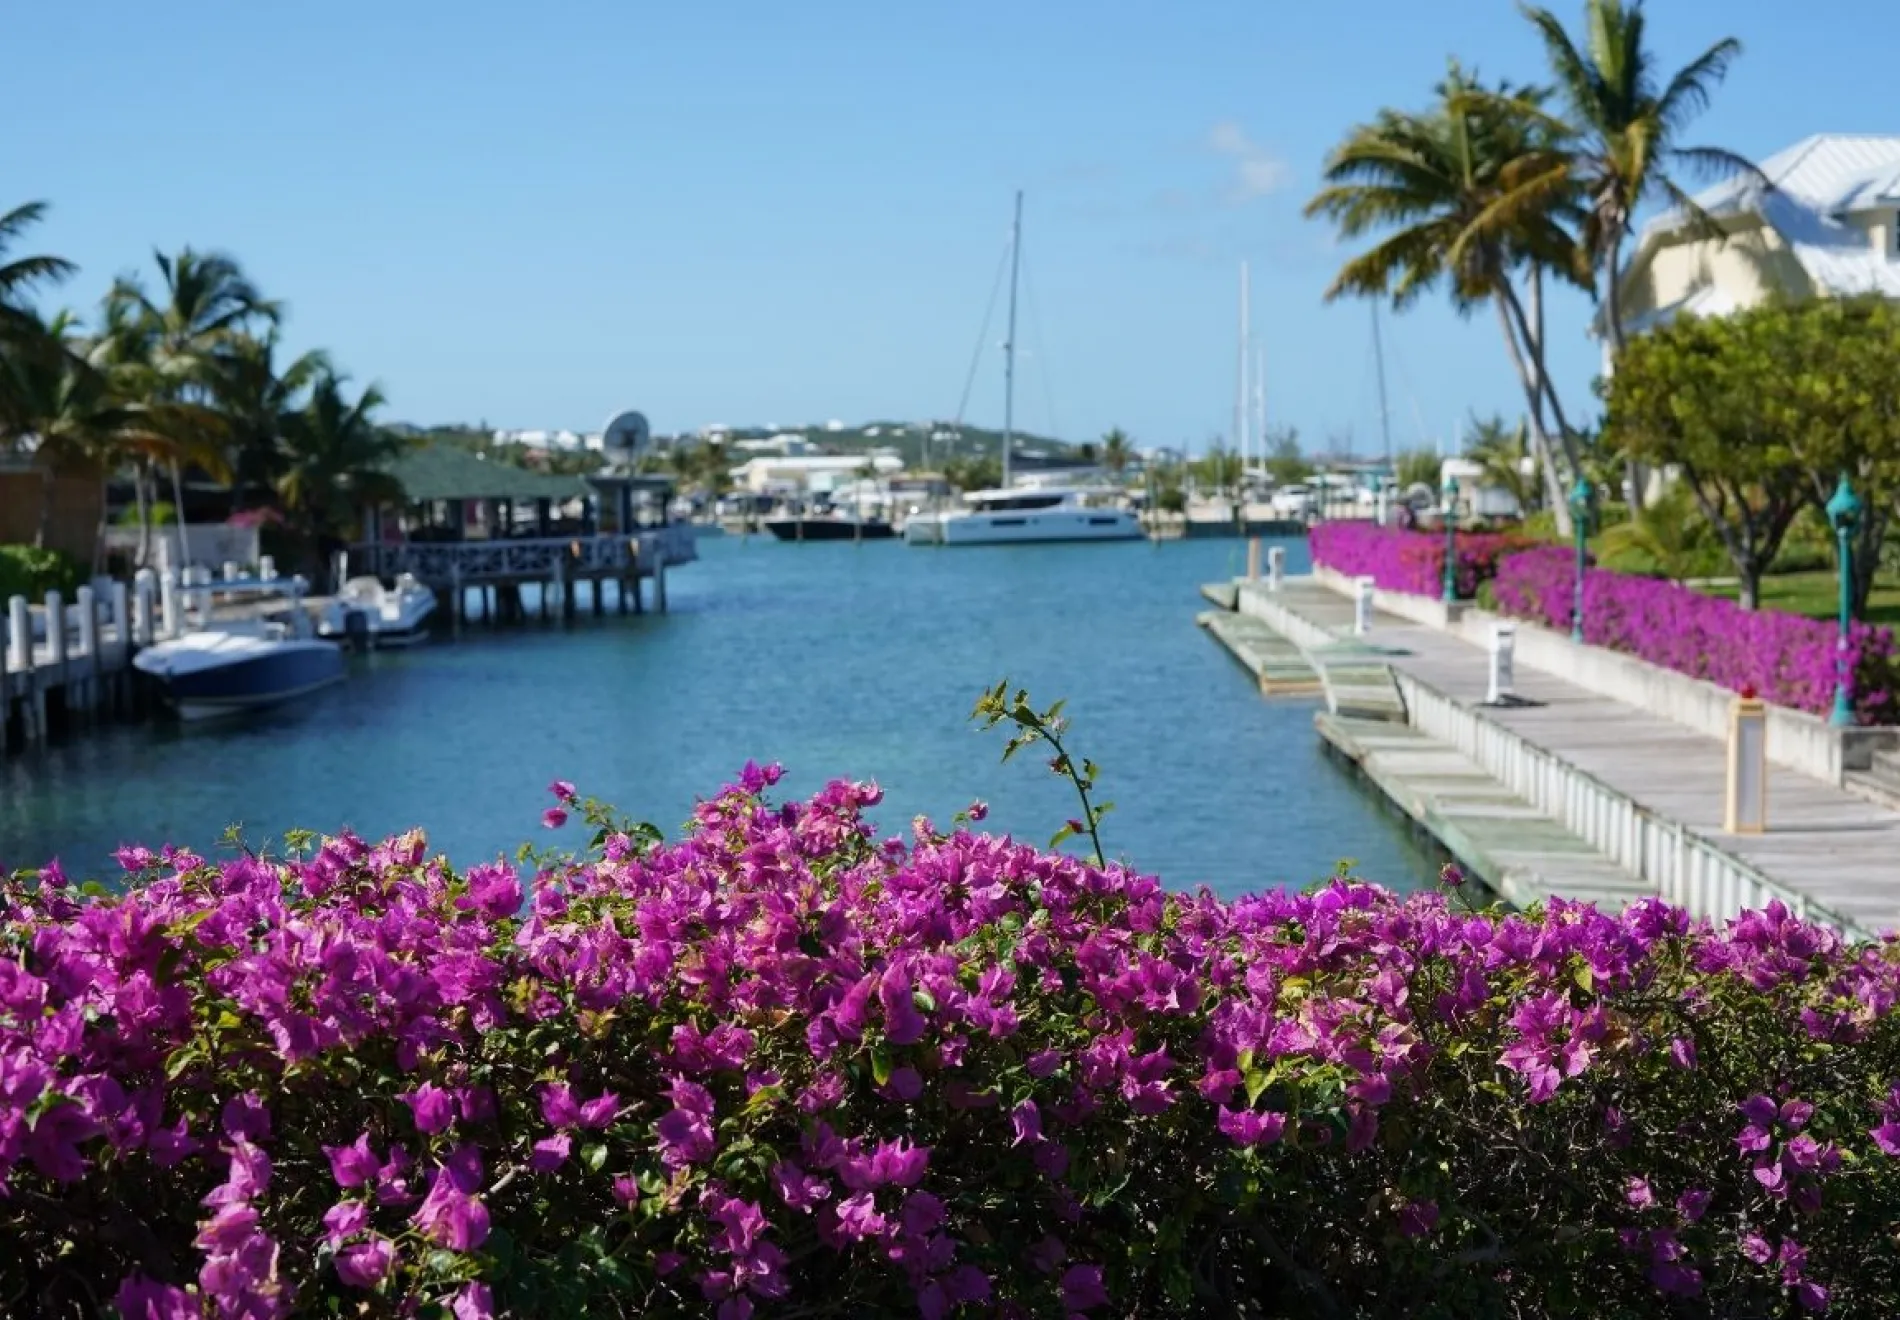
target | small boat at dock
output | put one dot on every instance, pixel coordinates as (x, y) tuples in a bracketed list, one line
[(385, 616)]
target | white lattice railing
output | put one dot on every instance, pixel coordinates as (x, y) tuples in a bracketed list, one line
[(540, 557)]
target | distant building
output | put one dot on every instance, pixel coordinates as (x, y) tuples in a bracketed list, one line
[(788, 445), (567, 441), (1828, 225), (810, 472)]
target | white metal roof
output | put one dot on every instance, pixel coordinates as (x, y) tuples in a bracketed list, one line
[(1815, 185)]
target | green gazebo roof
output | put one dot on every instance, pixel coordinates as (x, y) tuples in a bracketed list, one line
[(448, 472)]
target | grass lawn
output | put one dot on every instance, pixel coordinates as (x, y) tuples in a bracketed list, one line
[(1817, 596)]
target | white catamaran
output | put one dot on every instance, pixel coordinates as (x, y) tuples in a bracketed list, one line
[(1011, 515)]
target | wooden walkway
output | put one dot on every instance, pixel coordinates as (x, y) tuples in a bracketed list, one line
[(1822, 842), (1275, 663), (1518, 851)]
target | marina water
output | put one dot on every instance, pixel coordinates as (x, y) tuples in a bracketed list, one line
[(835, 659)]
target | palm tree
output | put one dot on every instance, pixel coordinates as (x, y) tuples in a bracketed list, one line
[(1474, 194), (1500, 450), (257, 399), (77, 424), (1627, 129), (22, 334), (170, 348), (1116, 452), (335, 462)]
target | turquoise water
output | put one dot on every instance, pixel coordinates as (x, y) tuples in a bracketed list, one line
[(835, 659)]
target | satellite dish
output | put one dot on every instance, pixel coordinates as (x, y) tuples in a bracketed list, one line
[(628, 433)]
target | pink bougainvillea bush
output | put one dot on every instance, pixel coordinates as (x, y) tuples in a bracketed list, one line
[(1784, 658), (785, 1068), (1409, 562)]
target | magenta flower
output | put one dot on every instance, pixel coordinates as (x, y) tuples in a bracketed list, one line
[(1082, 1288), (550, 1153), (1251, 1127), (474, 1301), (553, 818), (563, 792), (367, 1263), (432, 1107), (1418, 1218), (354, 1165), (1636, 1192)]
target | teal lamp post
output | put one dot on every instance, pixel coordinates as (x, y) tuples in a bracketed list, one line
[(1580, 496), (1843, 513), (1451, 539)]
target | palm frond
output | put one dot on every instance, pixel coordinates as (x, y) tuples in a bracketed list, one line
[(1688, 93)]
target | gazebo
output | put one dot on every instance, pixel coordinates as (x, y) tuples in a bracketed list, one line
[(467, 520)]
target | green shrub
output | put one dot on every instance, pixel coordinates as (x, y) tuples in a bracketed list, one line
[(31, 572)]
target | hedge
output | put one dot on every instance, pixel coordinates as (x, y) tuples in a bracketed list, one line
[(1412, 563), (1784, 658), (784, 1067)]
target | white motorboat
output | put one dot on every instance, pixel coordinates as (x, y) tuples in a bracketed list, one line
[(1022, 516), (388, 616), (220, 667)]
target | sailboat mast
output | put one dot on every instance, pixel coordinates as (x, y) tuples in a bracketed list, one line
[(1241, 402), (1378, 362), (1009, 341)]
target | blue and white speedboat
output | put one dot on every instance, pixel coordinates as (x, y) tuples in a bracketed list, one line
[(221, 667)]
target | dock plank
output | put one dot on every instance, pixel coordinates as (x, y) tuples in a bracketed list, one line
[(1275, 663)]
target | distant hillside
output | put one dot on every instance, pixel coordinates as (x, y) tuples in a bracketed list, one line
[(910, 441)]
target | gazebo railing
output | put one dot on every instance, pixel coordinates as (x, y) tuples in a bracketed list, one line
[(537, 558)]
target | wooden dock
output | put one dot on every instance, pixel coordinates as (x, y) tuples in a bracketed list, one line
[(1275, 663), (63, 665), (1519, 852), (1647, 791)]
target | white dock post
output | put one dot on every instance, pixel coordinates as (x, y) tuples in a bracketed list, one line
[(1503, 652), (20, 634), (144, 594), (168, 603), (119, 601), (267, 568), (88, 686), (230, 571), (56, 632), (1253, 559), (1276, 568), (1746, 808), (1362, 606), (26, 663)]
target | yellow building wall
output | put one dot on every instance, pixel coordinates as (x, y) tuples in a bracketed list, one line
[(1748, 266)]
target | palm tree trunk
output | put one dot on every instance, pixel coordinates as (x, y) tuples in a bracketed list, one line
[(178, 504), (1634, 474), (1553, 483), (45, 528), (140, 475)]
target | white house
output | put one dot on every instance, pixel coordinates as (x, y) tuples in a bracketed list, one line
[(1827, 224), (810, 472)]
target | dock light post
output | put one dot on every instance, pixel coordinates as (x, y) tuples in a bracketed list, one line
[(1843, 512), (1451, 539), (1580, 496)]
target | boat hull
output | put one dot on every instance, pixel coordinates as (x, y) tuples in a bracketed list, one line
[(828, 529), (1033, 527), (252, 681)]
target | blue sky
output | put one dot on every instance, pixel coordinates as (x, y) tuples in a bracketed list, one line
[(760, 212)]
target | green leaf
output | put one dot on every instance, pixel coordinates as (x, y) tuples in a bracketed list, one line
[(594, 1156), (1257, 1082), (881, 1063), (1062, 835)]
